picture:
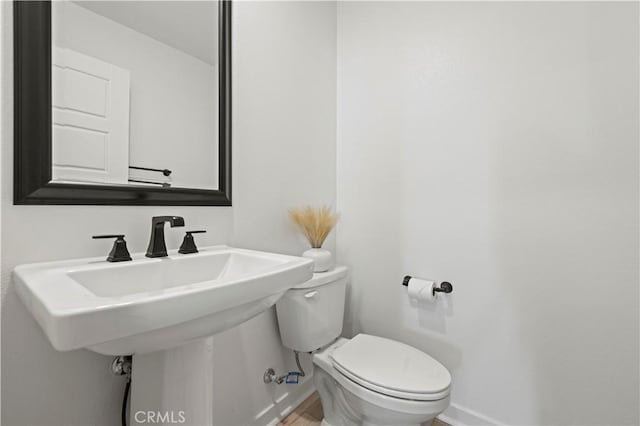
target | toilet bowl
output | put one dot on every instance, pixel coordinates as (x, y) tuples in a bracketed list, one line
[(366, 380), (388, 394)]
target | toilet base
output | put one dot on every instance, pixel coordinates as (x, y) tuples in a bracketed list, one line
[(326, 423)]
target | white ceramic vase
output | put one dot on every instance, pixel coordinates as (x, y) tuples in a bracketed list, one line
[(321, 259)]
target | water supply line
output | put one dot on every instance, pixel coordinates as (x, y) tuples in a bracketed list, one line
[(291, 377), (122, 366), (300, 370)]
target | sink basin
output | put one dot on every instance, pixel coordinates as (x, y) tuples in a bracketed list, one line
[(147, 304)]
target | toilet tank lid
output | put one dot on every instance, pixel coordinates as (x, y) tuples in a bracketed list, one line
[(321, 278)]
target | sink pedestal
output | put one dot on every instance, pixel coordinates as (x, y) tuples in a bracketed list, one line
[(175, 386)]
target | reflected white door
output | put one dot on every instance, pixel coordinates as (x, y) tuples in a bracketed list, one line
[(90, 119)]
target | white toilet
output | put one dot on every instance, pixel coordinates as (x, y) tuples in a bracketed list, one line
[(366, 380)]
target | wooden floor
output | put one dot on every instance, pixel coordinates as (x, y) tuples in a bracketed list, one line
[(309, 413)]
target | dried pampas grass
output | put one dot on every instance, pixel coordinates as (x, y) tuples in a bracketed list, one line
[(314, 222)]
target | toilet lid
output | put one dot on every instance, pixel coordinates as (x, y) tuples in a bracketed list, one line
[(392, 368)]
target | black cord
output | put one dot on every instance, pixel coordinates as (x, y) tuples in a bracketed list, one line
[(124, 402)]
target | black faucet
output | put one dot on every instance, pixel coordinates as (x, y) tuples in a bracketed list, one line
[(157, 246)]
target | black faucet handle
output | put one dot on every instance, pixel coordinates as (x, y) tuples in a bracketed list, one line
[(189, 243), (119, 252)]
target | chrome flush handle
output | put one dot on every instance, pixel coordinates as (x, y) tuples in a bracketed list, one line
[(311, 294)]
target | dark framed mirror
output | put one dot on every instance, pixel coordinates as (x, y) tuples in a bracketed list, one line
[(122, 103)]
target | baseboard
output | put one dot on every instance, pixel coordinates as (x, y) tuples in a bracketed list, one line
[(456, 415), (272, 414)]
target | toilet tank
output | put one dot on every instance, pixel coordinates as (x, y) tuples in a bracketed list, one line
[(310, 315)]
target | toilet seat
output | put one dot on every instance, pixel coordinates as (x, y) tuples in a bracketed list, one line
[(391, 368)]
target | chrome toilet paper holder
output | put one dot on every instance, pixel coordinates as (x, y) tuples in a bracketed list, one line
[(444, 287)]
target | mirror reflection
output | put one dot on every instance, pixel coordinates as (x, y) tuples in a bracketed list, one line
[(135, 93)]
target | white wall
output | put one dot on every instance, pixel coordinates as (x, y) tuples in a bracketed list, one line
[(174, 109), (281, 160), (284, 114), (284, 57), (496, 146)]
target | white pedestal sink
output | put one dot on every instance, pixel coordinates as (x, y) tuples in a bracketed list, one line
[(149, 305)]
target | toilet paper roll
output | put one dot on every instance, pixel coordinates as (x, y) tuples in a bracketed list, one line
[(421, 290)]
